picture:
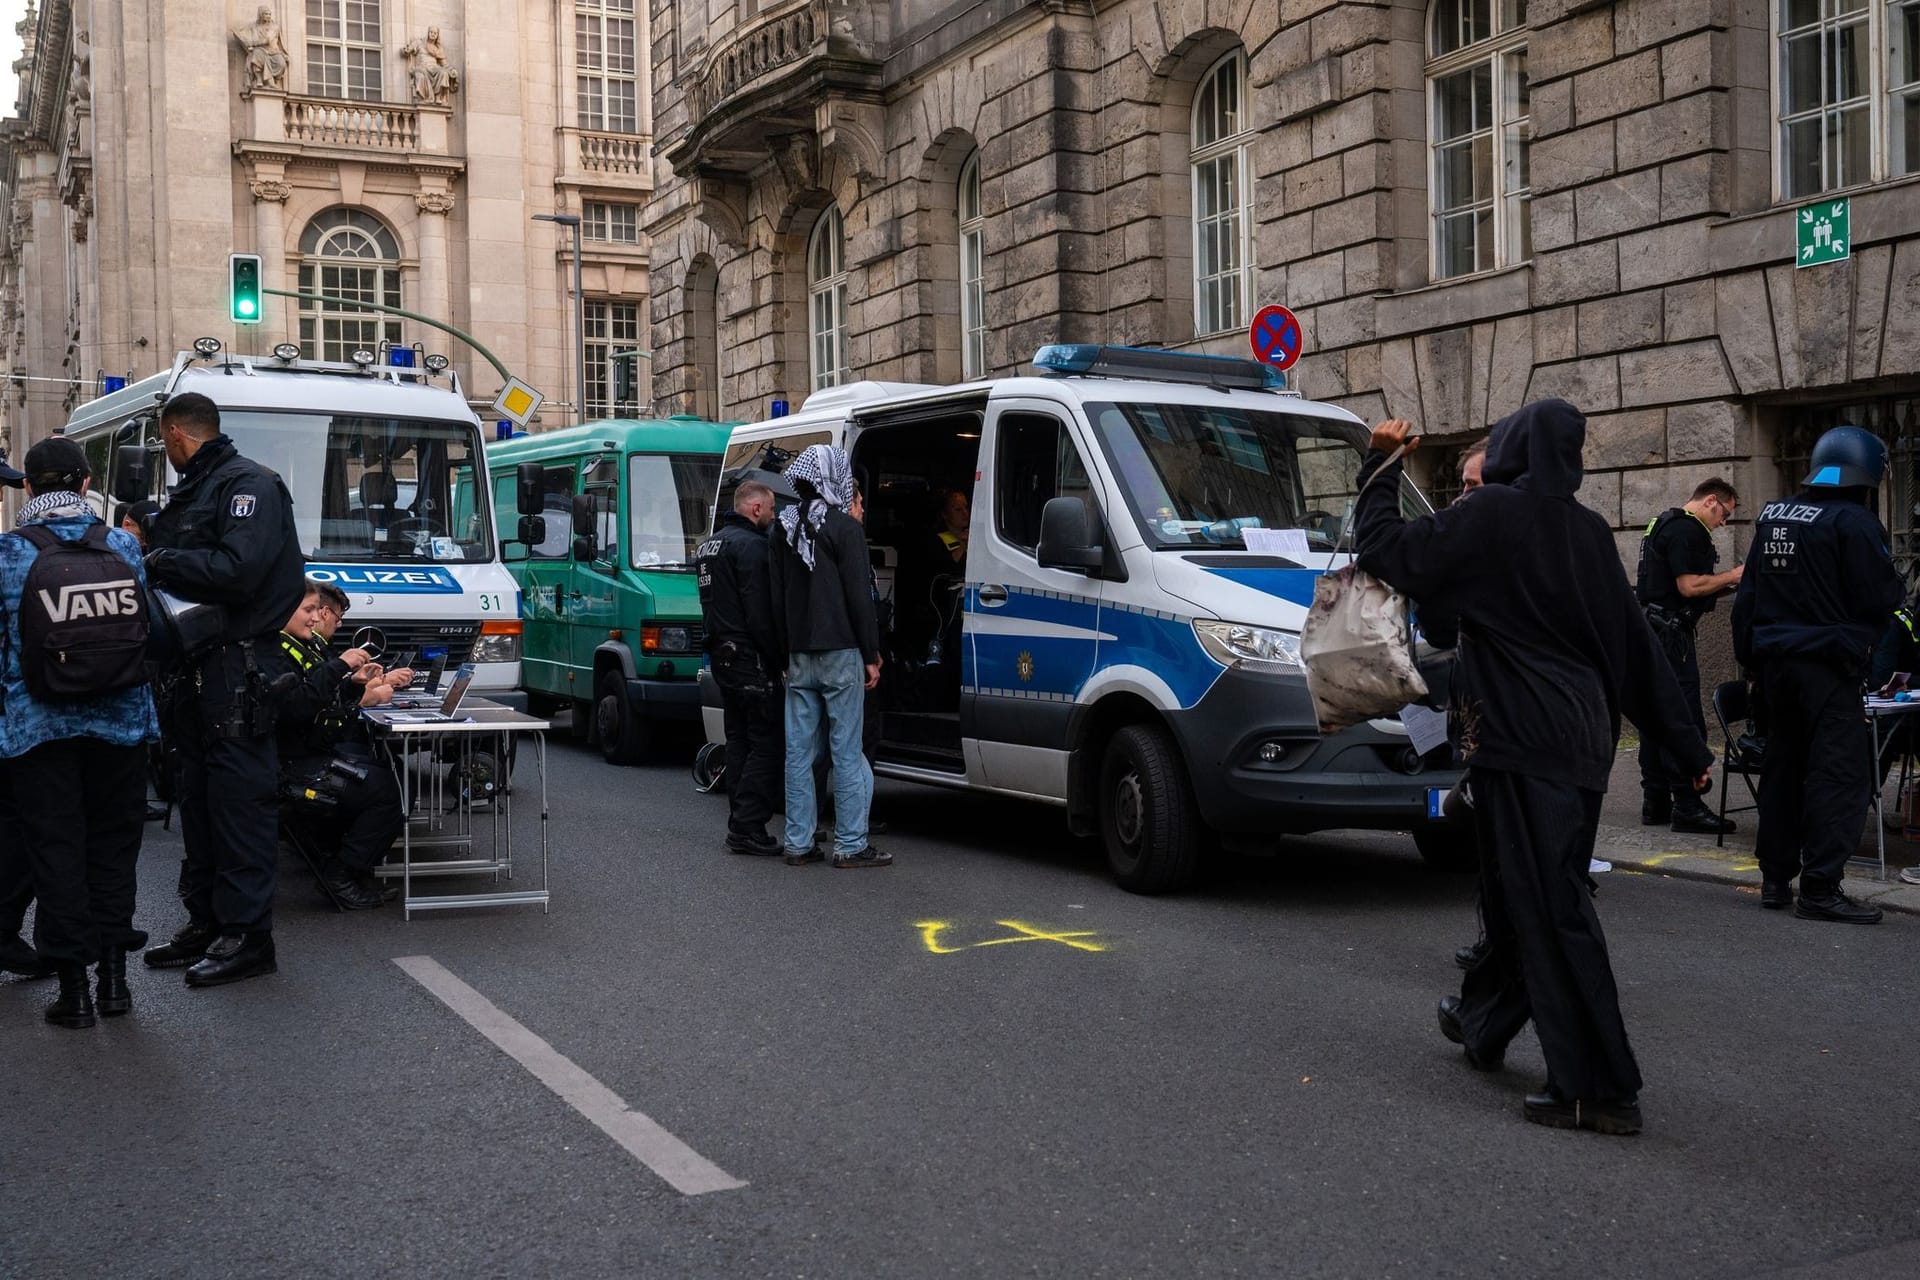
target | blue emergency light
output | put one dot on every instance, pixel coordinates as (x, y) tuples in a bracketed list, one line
[(1097, 361)]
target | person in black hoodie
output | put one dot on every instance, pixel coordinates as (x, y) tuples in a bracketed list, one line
[(1553, 649), (226, 537), (823, 595), (743, 647)]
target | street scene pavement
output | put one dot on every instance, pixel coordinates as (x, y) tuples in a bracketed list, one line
[(986, 1059)]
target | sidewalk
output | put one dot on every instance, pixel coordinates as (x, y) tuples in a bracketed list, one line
[(1658, 851)]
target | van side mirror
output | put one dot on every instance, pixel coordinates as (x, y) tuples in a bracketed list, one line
[(132, 473), (528, 497), (1067, 537), (582, 515), (533, 531)]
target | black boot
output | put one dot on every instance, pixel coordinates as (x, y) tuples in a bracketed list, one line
[(1698, 820), (233, 958), (1655, 810), (187, 946), (113, 998), (74, 1007)]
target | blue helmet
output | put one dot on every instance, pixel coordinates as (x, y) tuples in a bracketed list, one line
[(1847, 458)]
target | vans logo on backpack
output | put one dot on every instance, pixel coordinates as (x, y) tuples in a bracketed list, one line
[(92, 600)]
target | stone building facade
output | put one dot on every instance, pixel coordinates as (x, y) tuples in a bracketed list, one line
[(389, 150), (1470, 204)]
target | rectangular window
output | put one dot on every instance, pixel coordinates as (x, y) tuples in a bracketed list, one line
[(331, 332), (556, 507), (344, 49), (617, 223), (1036, 461), (1846, 93), (606, 65), (973, 306), (1480, 176), (1220, 234), (610, 327)]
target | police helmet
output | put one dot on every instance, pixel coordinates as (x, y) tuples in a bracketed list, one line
[(1847, 458)]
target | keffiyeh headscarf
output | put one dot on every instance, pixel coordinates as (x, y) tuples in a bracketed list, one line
[(830, 472)]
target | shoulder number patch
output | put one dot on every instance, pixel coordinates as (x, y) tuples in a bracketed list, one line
[(243, 504)]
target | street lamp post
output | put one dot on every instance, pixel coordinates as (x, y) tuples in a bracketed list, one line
[(579, 314)]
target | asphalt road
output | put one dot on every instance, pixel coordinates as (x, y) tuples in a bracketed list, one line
[(1245, 1080)]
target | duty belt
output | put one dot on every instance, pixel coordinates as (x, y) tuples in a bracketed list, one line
[(1668, 618)]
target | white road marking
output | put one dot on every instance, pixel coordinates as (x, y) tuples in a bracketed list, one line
[(683, 1168)]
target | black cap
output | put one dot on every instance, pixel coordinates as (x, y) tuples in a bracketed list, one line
[(57, 456), (8, 475)]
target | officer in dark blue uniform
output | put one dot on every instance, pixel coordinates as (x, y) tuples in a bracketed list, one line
[(226, 537), (743, 648), (1819, 588)]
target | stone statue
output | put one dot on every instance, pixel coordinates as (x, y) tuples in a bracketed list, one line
[(267, 59), (433, 80), (80, 83)]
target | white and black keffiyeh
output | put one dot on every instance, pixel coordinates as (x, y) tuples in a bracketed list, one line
[(830, 472), (56, 504)]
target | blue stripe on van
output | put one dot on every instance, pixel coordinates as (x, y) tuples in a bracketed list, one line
[(1295, 585)]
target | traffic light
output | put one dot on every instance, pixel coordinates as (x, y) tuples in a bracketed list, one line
[(243, 278), (623, 371)]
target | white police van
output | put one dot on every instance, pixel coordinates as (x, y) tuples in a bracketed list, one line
[(389, 485), (1105, 637)]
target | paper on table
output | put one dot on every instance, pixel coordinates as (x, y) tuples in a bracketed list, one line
[(1291, 543), (1426, 728)]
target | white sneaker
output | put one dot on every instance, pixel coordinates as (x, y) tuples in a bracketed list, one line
[(1599, 867), (1910, 876)]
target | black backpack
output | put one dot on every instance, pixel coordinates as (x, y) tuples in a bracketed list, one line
[(83, 618)]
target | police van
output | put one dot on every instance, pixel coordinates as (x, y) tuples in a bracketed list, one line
[(1117, 631), (383, 459)]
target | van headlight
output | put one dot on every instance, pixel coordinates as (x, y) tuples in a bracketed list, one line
[(1238, 643), (499, 642)]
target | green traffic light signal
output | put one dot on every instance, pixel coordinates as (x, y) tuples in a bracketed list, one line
[(244, 287)]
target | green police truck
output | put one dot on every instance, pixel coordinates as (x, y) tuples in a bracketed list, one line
[(609, 515)]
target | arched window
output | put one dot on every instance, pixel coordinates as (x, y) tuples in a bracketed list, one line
[(827, 300), (1477, 126), (347, 254), (1222, 135), (973, 282)]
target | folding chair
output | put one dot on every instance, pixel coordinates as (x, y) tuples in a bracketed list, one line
[(1732, 703)]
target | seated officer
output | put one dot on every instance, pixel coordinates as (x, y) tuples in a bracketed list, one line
[(331, 782)]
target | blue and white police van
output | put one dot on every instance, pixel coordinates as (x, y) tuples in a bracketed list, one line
[(384, 462), (1117, 632)]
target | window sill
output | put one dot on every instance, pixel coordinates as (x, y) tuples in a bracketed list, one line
[(1457, 300), (1881, 211)]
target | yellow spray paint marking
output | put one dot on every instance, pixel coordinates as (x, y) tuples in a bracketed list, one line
[(930, 931)]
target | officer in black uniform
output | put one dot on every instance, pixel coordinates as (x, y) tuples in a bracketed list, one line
[(226, 537), (1677, 586), (736, 599), (332, 784), (1805, 622)]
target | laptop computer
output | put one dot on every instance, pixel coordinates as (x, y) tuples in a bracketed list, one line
[(449, 705)]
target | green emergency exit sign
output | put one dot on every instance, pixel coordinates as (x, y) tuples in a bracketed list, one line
[(1821, 233)]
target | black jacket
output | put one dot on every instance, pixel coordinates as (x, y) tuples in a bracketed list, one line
[(317, 709), (1553, 646), (831, 606), (226, 537), (736, 589), (1819, 583)]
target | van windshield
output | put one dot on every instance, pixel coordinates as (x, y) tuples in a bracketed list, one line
[(671, 506), (386, 489), (1199, 475)]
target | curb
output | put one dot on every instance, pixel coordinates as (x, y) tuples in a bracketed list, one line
[(1716, 866)]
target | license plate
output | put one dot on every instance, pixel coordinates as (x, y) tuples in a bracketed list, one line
[(1436, 796)]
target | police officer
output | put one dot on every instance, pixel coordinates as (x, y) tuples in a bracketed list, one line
[(328, 771), (736, 598), (226, 537), (1804, 624), (1677, 586)]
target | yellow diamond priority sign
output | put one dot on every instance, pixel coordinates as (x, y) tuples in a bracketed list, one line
[(518, 402)]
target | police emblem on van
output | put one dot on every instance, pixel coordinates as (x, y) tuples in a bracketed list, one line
[(243, 504)]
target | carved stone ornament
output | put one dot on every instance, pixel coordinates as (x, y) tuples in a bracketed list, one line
[(82, 218), (433, 81), (434, 202), (270, 190), (267, 59)]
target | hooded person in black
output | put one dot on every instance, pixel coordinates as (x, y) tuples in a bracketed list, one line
[(1553, 650)]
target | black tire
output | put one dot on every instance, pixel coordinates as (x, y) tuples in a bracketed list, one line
[(1448, 848), (710, 767), (1149, 822), (622, 735)]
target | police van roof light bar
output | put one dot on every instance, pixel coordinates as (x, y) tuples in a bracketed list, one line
[(1149, 363)]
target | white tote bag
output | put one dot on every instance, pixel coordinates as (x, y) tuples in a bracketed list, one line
[(1357, 644)]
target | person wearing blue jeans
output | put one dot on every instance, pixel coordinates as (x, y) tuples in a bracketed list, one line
[(823, 609)]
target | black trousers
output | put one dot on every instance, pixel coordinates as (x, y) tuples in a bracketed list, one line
[(229, 800), (364, 819), (1816, 779), (16, 873), (756, 742), (1546, 955), (82, 805), (1660, 772)]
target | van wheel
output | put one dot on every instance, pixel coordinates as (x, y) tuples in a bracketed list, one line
[(623, 739), (1148, 818), (1448, 848)]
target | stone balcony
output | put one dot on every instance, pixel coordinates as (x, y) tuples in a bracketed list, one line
[(621, 161), (771, 76), (341, 128)]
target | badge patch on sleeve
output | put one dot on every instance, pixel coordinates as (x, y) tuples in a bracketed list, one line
[(243, 504)]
